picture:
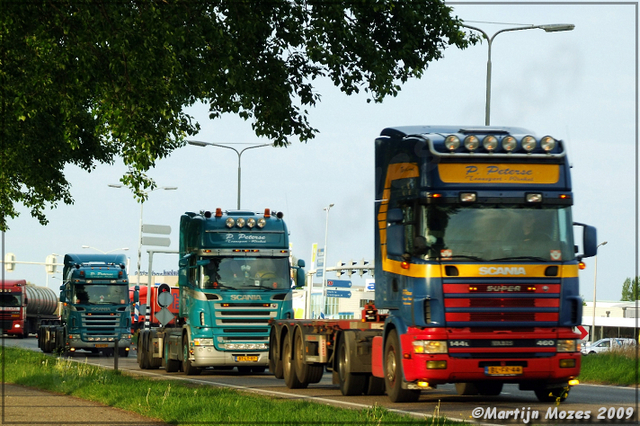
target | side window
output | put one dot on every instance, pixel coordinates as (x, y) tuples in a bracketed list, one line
[(409, 222)]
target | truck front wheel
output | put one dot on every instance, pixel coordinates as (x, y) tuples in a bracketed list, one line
[(393, 372), (187, 368)]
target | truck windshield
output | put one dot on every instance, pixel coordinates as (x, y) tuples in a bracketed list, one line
[(10, 300), (494, 232), (238, 273), (96, 294)]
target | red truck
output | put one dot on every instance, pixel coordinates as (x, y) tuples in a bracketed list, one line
[(476, 269), (24, 307), (137, 320)]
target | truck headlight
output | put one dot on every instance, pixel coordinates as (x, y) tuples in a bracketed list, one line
[(202, 342), (430, 346), (567, 345)]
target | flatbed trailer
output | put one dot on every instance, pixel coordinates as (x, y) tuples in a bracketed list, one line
[(300, 350)]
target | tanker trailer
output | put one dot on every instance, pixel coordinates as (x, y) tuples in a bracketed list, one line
[(23, 307)]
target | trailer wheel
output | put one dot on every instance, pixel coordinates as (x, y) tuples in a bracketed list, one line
[(393, 371), (142, 350), (350, 383), (275, 363), (170, 365), (375, 385), (288, 366), (552, 395), (307, 373), (187, 368)]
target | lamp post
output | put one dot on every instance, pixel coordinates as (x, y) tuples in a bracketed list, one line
[(239, 153), (105, 252), (549, 28), (324, 266), (595, 279), (165, 188)]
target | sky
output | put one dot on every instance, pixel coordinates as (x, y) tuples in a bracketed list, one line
[(578, 86)]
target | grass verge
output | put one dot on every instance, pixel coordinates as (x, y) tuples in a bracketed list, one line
[(183, 404), (611, 368)]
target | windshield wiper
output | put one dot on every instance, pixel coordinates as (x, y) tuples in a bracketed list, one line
[(462, 256), (533, 258)]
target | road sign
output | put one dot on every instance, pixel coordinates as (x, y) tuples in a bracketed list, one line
[(338, 293), (156, 229), (319, 273), (164, 315), (156, 241), (339, 283), (583, 332)]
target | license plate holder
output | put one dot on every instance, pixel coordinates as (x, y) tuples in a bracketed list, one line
[(101, 345), (503, 370), (246, 358)]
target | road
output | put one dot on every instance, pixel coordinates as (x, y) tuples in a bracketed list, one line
[(608, 402)]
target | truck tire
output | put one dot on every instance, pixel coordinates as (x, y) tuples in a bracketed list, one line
[(466, 389), (275, 363), (170, 365), (350, 383), (288, 366), (307, 373), (375, 385), (393, 371), (552, 395), (142, 351), (489, 388), (187, 368)]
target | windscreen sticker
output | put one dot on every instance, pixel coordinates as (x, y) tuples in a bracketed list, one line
[(446, 254), (556, 255)]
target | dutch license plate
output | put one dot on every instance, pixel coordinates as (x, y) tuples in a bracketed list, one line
[(101, 345), (499, 370), (247, 358)]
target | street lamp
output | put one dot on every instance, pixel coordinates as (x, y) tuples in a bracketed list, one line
[(595, 278), (166, 188), (549, 28), (239, 153), (324, 266), (105, 252)]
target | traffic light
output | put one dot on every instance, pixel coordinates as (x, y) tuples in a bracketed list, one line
[(363, 270), (352, 271), (340, 271), (50, 264)]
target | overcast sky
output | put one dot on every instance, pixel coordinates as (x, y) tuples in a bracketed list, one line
[(578, 86)]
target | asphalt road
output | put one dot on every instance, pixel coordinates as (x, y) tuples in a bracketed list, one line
[(586, 404)]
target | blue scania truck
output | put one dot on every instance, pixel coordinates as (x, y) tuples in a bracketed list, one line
[(235, 275), (96, 313)]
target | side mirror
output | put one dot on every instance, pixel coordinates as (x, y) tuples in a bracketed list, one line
[(589, 240), (395, 233), (63, 296), (136, 294), (300, 277), (301, 263)]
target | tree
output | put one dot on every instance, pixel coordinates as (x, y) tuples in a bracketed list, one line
[(630, 289), (84, 82)]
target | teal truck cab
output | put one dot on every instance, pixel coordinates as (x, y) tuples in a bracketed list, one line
[(234, 277), (96, 312)]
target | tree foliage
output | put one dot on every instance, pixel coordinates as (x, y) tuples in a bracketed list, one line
[(630, 289), (85, 81)]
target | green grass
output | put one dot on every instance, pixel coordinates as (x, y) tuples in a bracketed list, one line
[(183, 403), (610, 368)]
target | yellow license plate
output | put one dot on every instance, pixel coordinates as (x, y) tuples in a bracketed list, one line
[(247, 359), (101, 345), (499, 370)]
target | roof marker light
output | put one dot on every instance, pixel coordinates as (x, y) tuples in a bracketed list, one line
[(251, 222), (230, 222), (452, 142), (529, 143), (547, 143), (267, 213), (261, 222), (490, 143), (509, 143), (240, 222), (471, 143), (218, 212)]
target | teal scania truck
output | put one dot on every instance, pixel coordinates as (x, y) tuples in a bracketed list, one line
[(95, 314), (235, 275)]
